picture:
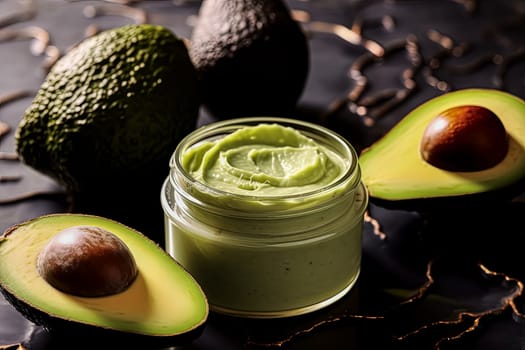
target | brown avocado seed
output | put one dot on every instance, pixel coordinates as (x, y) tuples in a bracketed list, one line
[(87, 261), (464, 138)]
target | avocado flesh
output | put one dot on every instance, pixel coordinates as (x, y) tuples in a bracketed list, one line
[(394, 171), (164, 301)]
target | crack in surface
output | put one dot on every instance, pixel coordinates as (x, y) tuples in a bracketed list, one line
[(465, 323), (138, 15), (471, 319), (375, 225), (332, 320), (378, 104), (5, 129)]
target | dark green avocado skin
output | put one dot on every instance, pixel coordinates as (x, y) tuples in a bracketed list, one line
[(251, 56), (82, 336), (113, 107)]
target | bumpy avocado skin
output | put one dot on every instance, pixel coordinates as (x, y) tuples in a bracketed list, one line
[(251, 56), (397, 176), (100, 332), (113, 107)]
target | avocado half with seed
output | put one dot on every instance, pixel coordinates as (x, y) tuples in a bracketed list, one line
[(158, 302), (463, 145)]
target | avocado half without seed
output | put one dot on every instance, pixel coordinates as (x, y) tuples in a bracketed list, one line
[(455, 147), (57, 271)]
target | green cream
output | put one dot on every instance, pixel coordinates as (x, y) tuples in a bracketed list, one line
[(266, 160), (256, 207)]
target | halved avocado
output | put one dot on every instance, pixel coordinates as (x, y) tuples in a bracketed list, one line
[(163, 305), (397, 175)]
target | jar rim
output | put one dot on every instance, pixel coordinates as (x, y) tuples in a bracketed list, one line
[(352, 174), (233, 224)]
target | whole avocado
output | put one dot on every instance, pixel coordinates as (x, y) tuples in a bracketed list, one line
[(251, 55), (112, 109)]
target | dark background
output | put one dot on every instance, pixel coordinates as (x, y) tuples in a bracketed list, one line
[(469, 258)]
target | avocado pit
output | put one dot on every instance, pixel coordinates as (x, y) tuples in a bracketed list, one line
[(464, 138), (87, 261)]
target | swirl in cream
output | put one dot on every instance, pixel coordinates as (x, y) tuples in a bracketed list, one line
[(264, 160)]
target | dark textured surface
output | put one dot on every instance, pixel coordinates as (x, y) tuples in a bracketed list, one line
[(83, 96), (439, 280), (251, 56)]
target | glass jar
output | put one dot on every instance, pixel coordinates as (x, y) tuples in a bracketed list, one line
[(266, 256)]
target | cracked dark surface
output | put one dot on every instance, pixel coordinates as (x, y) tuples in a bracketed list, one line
[(430, 280)]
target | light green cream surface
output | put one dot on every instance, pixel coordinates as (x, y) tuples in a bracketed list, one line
[(264, 160)]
